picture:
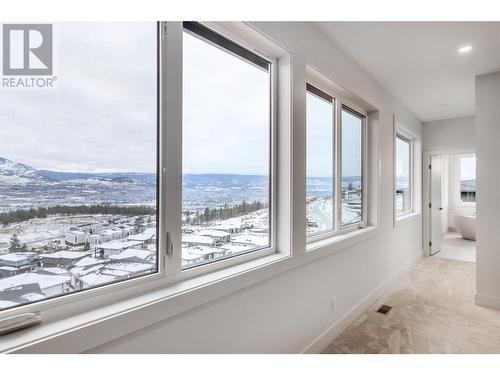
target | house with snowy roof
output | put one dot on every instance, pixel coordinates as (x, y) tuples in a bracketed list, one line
[(64, 258), (106, 249), (13, 263), (109, 271), (50, 284)]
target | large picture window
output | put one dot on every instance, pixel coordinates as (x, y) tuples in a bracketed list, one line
[(226, 156), (320, 156), (403, 170), (78, 166)]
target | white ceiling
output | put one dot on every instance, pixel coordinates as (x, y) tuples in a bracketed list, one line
[(419, 63)]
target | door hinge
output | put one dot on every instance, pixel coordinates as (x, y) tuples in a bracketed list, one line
[(430, 166), (430, 243), (430, 205)]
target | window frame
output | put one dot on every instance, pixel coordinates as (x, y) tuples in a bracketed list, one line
[(272, 248), (319, 93), (340, 229), (364, 214), (411, 142), (131, 284)]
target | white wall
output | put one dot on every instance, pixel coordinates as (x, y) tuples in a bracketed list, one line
[(450, 134), (488, 188), (287, 312)]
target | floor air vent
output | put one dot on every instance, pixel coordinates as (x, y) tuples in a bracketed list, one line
[(384, 309)]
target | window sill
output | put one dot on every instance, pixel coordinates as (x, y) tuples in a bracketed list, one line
[(97, 326), (467, 205), (337, 243), (407, 217)]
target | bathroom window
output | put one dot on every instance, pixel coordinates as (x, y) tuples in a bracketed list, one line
[(467, 173)]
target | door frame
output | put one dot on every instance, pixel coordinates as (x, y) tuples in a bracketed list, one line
[(426, 181)]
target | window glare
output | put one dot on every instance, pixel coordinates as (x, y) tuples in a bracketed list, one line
[(352, 168), (320, 203), (226, 154)]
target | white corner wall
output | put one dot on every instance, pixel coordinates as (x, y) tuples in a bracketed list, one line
[(488, 187), (448, 135), (291, 312)]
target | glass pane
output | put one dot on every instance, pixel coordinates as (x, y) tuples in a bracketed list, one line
[(403, 178), (320, 206), (78, 165), (468, 179), (352, 168), (226, 154)]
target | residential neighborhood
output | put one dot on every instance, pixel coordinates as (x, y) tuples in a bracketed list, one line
[(93, 250), (96, 250)]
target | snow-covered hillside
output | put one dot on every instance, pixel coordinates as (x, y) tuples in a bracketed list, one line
[(16, 173)]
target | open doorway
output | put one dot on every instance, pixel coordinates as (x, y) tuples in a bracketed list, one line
[(450, 218)]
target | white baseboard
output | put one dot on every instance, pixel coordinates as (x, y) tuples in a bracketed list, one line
[(486, 301), (333, 331)]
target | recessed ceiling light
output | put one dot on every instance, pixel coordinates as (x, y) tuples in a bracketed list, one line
[(465, 49)]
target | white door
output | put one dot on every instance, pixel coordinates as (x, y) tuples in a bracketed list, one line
[(435, 205), (444, 193)]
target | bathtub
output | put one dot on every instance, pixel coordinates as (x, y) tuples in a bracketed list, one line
[(466, 226)]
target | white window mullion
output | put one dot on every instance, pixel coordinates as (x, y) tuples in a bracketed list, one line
[(338, 160), (171, 145), (338, 164), (292, 155), (364, 181)]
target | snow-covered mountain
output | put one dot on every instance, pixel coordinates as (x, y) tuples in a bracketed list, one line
[(22, 187), (16, 172)]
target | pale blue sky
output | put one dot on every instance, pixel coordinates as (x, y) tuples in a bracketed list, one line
[(352, 129), (402, 160), (319, 137), (226, 119), (101, 114), (468, 168), (320, 140)]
